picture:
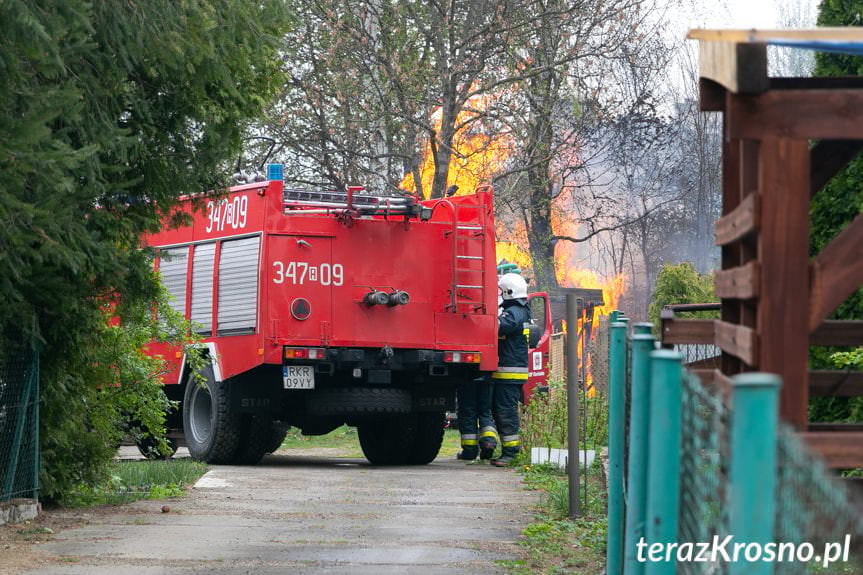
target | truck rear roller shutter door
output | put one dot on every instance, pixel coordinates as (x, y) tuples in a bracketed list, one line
[(173, 264), (202, 287), (238, 285)]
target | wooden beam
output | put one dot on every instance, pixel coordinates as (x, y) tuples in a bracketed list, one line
[(836, 383), (850, 33), (743, 220), (783, 248), (739, 68), (828, 158), (817, 83), (797, 114), (738, 283), (837, 426), (687, 331), (836, 273), (706, 363), (842, 333), (839, 449), (738, 340)]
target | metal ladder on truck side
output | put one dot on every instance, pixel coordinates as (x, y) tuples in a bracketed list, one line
[(463, 275)]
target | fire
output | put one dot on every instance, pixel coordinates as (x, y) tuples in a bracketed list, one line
[(512, 252), (612, 290), (476, 157)]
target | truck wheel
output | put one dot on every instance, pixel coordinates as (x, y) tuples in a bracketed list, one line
[(254, 439), (278, 432), (212, 430), (384, 441), (150, 449), (425, 437), (360, 400)]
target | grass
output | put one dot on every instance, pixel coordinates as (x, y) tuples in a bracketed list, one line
[(133, 480), (555, 544), (544, 420), (345, 439)]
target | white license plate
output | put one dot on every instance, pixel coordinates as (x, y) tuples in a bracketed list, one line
[(299, 377)]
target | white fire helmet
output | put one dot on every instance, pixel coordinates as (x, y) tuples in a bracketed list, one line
[(512, 286)]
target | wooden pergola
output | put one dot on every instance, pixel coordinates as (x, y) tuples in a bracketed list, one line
[(776, 298)]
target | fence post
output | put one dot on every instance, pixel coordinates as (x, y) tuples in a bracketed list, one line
[(37, 405), (639, 414), (642, 328), (752, 473), (572, 384), (616, 429), (663, 464)]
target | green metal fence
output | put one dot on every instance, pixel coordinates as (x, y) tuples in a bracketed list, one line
[(701, 466), (19, 423)]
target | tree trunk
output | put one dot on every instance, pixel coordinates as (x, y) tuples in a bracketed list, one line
[(443, 148), (540, 189)]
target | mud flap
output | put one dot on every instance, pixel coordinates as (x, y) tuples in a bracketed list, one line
[(433, 398), (256, 392)]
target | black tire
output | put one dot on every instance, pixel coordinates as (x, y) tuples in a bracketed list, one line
[(254, 439), (212, 429), (278, 432), (425, 437), (360, 400), (150, 449), (384, 441)]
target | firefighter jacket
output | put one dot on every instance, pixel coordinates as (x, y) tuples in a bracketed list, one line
[(512, 343)]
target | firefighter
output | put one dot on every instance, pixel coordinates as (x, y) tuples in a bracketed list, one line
[(475, 422), (512, 370)]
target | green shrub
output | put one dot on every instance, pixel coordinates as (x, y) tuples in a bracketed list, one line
[(681, 283)]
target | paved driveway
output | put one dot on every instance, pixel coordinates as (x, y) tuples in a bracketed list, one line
[(309, 514)]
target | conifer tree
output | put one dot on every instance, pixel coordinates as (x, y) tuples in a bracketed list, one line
[(109, 111)]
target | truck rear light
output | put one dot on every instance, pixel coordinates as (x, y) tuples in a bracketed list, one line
[(305, 353), (462, 357)]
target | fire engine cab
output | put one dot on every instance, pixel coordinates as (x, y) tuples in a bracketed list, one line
[(321, 308)]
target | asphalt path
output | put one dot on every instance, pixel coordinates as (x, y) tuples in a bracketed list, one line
[(309, 514)]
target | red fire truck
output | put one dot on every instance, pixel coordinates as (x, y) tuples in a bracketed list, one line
[(320, 308)]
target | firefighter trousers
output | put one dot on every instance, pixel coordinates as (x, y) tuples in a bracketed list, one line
[(475, 421), (505, 399)]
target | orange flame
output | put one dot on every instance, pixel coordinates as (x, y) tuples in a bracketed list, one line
[(612, 290), (512, 252), (476, 156)]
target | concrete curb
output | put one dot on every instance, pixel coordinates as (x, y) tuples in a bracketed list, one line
[(18, 510), (603, 457)]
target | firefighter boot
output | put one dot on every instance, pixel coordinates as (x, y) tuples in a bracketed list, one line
[(506, 458), (487, 443), (468, 453), (469, 448), (509, 450)]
